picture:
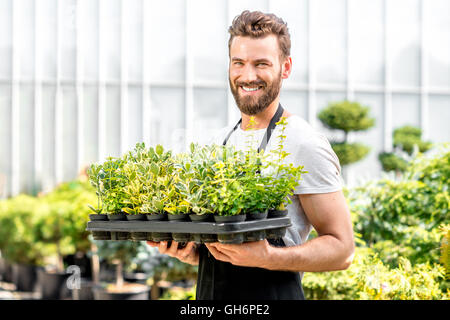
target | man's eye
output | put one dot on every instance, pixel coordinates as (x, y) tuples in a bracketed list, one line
[(262, 64), (237, 63)]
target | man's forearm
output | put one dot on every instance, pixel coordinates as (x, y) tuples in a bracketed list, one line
[(324, 253)]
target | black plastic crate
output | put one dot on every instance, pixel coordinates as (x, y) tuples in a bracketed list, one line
[(199, 232)]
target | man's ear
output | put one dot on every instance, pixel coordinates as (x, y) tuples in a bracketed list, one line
[(286, 67)]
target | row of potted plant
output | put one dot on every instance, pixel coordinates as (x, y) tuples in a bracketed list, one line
[(219, 181)]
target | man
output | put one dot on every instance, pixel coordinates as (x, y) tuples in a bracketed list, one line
[(259, 58)]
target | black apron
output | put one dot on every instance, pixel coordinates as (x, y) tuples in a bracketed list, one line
[(219, 280)]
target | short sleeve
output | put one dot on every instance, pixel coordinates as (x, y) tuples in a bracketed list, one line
[(322, 164)]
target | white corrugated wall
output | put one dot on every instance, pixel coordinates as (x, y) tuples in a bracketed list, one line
[(84, 79)]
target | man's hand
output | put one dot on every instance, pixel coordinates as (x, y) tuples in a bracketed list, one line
[(248, 254), (188, 254)]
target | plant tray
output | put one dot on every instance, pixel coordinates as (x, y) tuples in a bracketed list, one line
[(183, 231)]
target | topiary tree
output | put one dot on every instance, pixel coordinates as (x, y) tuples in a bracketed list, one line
[(405, 140), (347, 116)]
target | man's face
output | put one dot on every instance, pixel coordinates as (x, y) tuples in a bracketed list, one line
[(255, 72)]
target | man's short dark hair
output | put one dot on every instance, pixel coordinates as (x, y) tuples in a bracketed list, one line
[(256, 24)]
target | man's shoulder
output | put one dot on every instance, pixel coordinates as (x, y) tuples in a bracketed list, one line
[(300, 133)]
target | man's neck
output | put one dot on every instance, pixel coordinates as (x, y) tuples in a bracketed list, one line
[(263, 118)]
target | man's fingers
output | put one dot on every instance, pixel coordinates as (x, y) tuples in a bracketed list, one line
[(217, 254), (163, 247), (187, 250), (173, 248)]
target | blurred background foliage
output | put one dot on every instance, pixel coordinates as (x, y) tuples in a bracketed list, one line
[(401, 226)]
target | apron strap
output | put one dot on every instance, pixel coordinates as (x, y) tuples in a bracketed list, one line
[(276, 117)]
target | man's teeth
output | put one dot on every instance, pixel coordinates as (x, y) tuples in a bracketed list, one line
[(249, 89)]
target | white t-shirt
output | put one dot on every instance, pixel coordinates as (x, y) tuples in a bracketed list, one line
[(306, 147)]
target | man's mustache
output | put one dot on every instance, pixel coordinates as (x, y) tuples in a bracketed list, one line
[(250, 84)]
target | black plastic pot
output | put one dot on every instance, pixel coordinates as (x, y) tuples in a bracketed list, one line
[(275, 233), (24, 277), (179, 237), (231, 238), (256, 215), (259, 234), (52, 286), (100, 293), (157, 216), (229, 219), (118, 235), (199, 237), (137, 236), (201, 217), (100, 235), (178, 217), (158, 236), (7, 271), (2, 268), (277, 213)]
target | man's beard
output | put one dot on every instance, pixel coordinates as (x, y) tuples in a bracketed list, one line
[(251, 105)]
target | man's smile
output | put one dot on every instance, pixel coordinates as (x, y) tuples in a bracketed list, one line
[(250, 90)]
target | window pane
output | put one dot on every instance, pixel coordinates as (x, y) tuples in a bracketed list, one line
[(403, 31), (210, 113), (46, 36), (167, 125), (90, 124), (295, 14), (89, 38), (405, 110), (69, 132), (439, 113), (5, 38), (323, 99), (25, 37), (26, 139), (437, 33), (134, 117), (110, 38), (369, 167), (366, 42), (166, 60), (328, 40), (209, 45), (235, 7), (67, 29), (48, 137), (112, 121), (295, 102), (132, 11)]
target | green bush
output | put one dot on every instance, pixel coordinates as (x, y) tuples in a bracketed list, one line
[(350, 152), (347, 116), (17, 241), (392, 162), (407, 137), (369, 279)]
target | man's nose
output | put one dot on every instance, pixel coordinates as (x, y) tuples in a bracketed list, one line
[(248, 74)]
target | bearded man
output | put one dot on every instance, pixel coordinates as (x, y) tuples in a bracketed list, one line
[(259, 60)]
